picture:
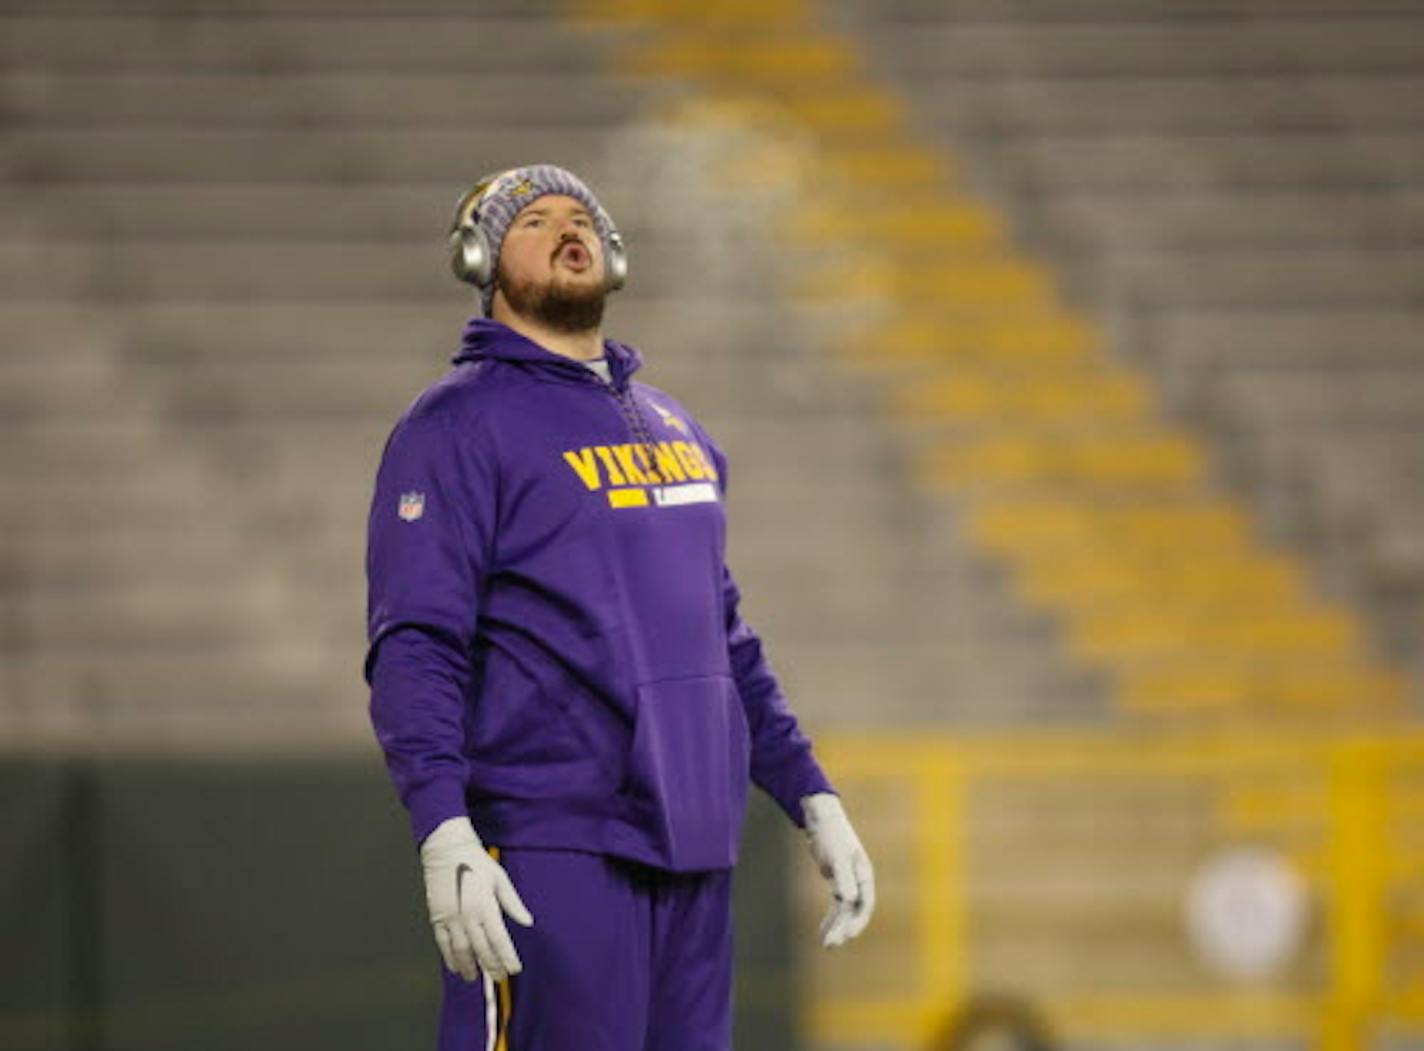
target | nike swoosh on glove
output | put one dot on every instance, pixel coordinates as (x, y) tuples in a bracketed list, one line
[(844, 864), (469, 894)]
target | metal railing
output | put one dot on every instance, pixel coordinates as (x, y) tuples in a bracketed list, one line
[(1057, 865)]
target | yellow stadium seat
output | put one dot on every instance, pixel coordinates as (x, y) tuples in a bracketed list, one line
[(1302, 686), (976, 333), (858, 111), (1037, 396), (1101, 461), (960, 224), (1150, 458), (999, 281), (1091, 579), (1053, 526), (1147, 631), (885, 165)]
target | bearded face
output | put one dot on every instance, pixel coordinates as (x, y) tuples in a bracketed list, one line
[(558, 304)]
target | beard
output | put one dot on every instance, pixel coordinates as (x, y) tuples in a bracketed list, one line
[(554, 305)]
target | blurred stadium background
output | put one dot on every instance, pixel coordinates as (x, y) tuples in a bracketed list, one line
[(1069, 358)]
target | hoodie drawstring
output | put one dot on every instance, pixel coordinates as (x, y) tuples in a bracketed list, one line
[(637, 422)]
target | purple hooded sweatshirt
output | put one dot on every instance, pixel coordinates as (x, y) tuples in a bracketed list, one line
[(555, 643)]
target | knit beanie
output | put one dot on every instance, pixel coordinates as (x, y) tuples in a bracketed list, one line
[(508, 193)]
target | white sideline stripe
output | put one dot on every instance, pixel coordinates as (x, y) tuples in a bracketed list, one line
[(491, 1017)]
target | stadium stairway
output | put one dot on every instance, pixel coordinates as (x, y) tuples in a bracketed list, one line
[(1234, 189), (1058, 450)]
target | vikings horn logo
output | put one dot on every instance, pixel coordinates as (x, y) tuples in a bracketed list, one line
[(669, 418), (511, 184)]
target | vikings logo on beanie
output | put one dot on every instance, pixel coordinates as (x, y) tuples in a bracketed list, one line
[(483, 216)]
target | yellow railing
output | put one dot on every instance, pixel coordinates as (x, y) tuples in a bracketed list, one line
[(1055, 866)]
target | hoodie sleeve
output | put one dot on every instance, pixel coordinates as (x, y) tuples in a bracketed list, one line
[(782, 762), (428, 540)]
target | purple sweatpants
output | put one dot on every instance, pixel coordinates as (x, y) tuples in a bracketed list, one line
[(621, 957)]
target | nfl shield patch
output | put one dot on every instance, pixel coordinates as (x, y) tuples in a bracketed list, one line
[(412, 506)]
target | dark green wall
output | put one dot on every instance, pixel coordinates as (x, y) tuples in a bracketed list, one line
[(149, 906)]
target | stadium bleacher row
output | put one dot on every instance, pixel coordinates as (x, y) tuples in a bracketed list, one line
[(221, 295)]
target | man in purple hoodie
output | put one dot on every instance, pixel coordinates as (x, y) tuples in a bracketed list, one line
[(568, 699)]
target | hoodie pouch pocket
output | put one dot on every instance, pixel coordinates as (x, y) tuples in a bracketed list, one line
[(686, 784)]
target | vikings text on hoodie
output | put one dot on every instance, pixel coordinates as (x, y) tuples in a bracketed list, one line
[(555, 642)]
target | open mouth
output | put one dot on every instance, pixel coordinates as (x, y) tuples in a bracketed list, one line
[(574, 255)]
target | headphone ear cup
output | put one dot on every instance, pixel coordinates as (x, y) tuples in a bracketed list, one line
[(616, 262), (470, 254)]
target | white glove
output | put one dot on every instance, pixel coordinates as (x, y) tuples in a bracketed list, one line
[(466, 890), (845, 865)]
